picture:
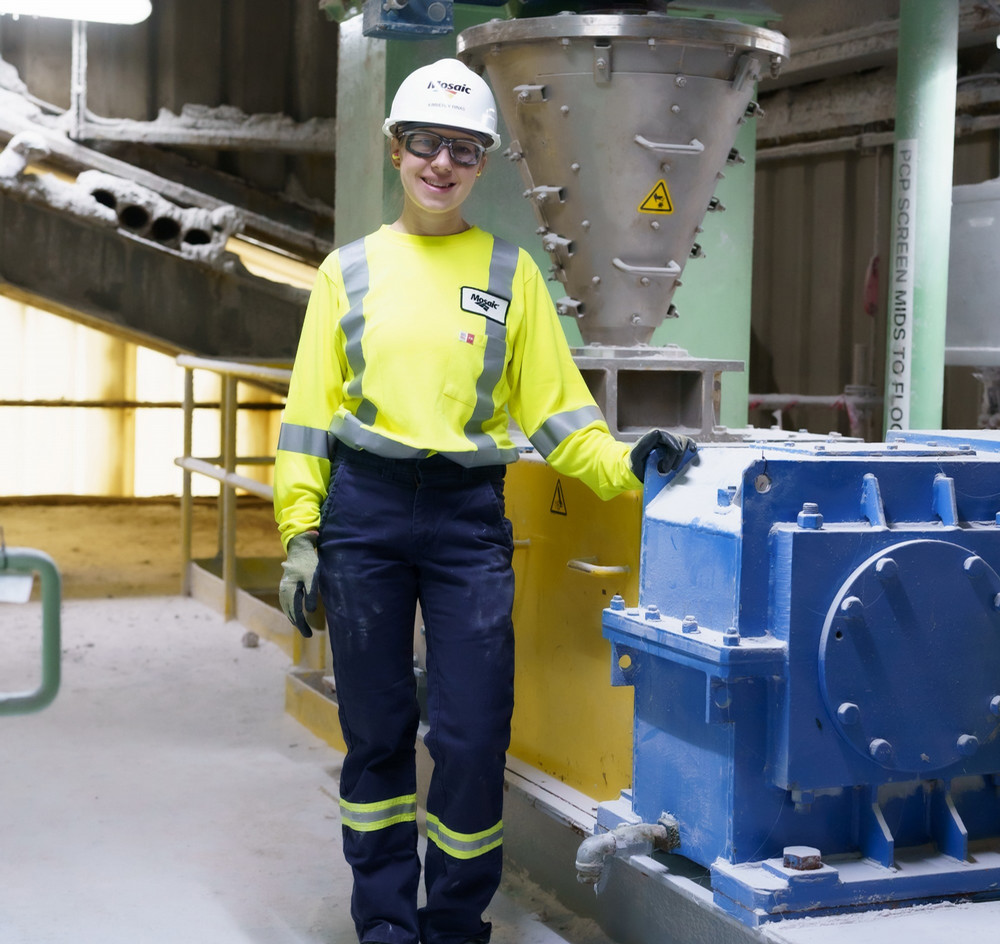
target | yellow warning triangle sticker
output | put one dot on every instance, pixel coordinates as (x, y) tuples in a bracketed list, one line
[(558, 506), (657, 200)]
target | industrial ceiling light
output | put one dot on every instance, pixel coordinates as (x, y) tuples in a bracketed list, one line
[(94, 11)]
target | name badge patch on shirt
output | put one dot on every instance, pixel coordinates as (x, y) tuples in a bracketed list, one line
[(477, 302)]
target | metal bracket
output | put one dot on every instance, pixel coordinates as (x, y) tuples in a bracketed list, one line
[(747, 68), (530, 94), (559, 245), (514, 152), (602, 64), (753, 111), (542, 193), (570, 306)]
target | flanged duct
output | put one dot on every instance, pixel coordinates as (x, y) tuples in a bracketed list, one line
[(621, 127)]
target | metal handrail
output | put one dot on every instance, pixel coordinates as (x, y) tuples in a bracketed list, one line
[(23, 560), (223, 467), (242, 370), (233, 481)]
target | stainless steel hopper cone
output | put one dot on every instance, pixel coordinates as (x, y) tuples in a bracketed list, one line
[(621, 126)]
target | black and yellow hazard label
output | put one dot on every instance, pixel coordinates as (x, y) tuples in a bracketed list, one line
[(657, 200), (558, 506)]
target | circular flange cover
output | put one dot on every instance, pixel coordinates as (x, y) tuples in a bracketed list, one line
[(909, 659)]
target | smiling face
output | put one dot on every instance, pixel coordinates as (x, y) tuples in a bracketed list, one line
[(434, 187)]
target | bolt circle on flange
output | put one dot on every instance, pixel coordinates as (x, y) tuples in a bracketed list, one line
[(887, 569), (881, 750), (967, 745), (848, 713), (974, 566), (915, 618), (852, 608)]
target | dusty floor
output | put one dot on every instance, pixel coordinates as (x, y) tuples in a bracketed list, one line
[(129, 548), (166, 796)]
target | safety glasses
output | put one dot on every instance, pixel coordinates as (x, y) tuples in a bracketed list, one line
[(426, 144)]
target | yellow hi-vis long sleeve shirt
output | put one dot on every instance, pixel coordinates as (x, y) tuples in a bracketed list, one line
[(414, 345)]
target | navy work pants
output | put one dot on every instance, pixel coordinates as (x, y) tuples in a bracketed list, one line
[(395, 533)]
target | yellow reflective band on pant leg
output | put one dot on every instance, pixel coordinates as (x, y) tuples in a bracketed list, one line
[(463, 845), (367, 817)]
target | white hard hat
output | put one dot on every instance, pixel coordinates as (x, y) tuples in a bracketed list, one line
[(446, 93)]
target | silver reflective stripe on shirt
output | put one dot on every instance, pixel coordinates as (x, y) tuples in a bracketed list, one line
[(556, 428), (354, 270), (304, 439), (490, 455), (503, 264), (348, 430)]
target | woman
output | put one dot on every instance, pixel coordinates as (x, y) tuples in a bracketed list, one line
[(417, 341)]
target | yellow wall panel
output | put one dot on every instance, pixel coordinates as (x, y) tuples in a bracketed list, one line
[(568, 720)]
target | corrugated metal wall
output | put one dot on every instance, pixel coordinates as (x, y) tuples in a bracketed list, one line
[(818, 222)]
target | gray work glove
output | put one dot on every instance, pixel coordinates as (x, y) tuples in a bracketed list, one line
[(673, 452), (297, 591)]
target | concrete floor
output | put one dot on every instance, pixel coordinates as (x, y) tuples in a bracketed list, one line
[(166, 796)]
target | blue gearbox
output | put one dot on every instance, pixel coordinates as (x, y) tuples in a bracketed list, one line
[(816, 665)]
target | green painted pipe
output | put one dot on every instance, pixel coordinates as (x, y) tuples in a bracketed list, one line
[(20, 560), (921, 213)]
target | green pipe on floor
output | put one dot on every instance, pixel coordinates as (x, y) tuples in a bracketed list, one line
[(20, 561)]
